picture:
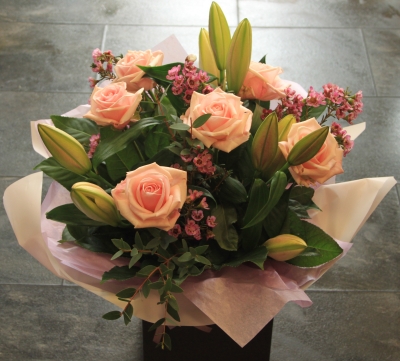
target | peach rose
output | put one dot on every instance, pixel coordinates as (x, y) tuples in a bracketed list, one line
[(128, 72), (151, 196), (113, 105), (325, 164), (229, 124), (262, 82)]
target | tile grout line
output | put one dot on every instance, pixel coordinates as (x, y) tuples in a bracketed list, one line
[(368, 59), (103, 40)]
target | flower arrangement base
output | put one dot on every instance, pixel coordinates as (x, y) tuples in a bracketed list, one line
[(190, 343)]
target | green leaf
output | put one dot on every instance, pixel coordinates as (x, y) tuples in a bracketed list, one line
[(311, 112), (113, 315), (61, 175), (138, 241), (135, 259), (156, 285), (69, 214), (119, 273), (201, 249), (179, 126), (160, 72), (117, 255), (167, 340), (263, 60), (155, 242), (225, 232), (79, 128), (304, 196), (157, 324), (126, 293), (156, 141), (323, 244), (176, 289), (298, 209), (109, 146), (173, 313), (174, 304), (201, 120), (203, 260), (146, 289), (121, 244), (257, 256), (128, 314), (233, 191), (122, 162), (145, 271), (278, 185), (185, 257)]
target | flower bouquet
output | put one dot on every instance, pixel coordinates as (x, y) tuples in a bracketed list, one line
[(181, 189)]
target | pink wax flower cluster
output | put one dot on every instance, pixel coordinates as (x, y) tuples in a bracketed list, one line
[(343, 139), (188, 80), (339, 103), (196, 223), (103, 65), (345, 105), (94, 142)]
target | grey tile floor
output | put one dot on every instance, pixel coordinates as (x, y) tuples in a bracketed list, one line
[(45, 48)]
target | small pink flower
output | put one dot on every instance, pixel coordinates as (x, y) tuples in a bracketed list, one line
[(207, 89), (211, 221), (176, 166), (173, 72), (203, 76), (177, 90), (92, 82), (210, 234), (197, 215), (197, 235), (97, 66), (191, 227), (187, 158), (204, 204), (176, 231), (96, 54), (195, 194), (315, 99)]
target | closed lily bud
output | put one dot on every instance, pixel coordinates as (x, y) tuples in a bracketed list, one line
[(65, 149), (220, 35), (206, 55), (95, 203), (284, 126), (265, 143), (239, 56), (285, 247), (307, 147)]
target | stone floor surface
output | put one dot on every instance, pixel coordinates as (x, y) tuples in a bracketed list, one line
[(45, 53)]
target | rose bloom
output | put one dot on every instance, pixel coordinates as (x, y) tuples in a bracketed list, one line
[(113, 105), (128, 72), (325, 164), (229, 124), (262, 82), (151, 196)]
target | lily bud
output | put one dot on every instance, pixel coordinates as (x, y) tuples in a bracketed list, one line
[(206, 55), (239, 56), (95, 203), (65, 149), (265, 143), (220, 35), (307, 147), (285, 247), (284, 126)]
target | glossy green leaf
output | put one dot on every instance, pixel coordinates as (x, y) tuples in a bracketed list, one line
[(113, 315), (201, 120), (225, 232)]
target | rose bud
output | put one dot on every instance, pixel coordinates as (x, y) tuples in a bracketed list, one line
[(239, 56), (65, 149), (285, 247), (207, 60), (220, 35), (95, 203)]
